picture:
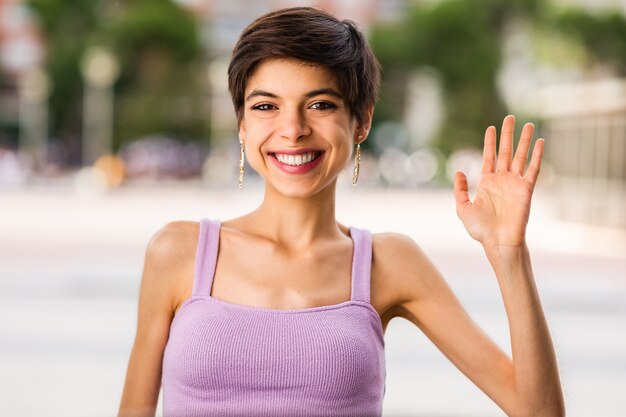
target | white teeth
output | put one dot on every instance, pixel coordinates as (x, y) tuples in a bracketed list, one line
[(296, 160)]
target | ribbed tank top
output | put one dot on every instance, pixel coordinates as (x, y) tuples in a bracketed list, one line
[(225, 359)]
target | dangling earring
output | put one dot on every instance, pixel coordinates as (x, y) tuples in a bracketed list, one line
[(357, 161), (241, 161)]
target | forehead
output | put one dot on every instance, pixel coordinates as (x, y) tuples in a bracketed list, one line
[(285, 77)]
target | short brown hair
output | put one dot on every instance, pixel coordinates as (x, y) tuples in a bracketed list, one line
[(315, 37)]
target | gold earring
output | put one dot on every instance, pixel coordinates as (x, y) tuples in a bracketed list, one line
[(357, 161), (241, 161)]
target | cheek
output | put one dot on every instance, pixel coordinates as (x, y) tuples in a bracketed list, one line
[(348, 154), (342, 153), (345, 141), (255, 137), (257, 127), (255, 131)]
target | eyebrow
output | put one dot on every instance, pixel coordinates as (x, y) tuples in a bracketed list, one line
[(310, 94)]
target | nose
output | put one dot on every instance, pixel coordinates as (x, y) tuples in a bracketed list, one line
[(294, 125)]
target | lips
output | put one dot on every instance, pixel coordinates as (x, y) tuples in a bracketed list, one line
[(296, 161)]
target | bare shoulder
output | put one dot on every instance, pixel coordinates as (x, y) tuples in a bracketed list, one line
[(174, 238), (400, 270), (169, 261), (166, 274), (393, 244)]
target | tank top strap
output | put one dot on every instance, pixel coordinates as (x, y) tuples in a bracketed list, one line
[(206, 257), (361, 264)]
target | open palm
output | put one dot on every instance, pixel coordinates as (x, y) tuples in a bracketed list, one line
[(499, 213)]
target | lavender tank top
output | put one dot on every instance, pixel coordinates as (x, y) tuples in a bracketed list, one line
[(230, 360)]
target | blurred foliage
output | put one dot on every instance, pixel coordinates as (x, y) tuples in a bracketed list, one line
[(156, 42), (9, 128), (460, 39), (161, 85), (67, 26), (603, 35)]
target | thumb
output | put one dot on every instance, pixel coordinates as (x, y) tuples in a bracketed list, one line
[(461, 192)]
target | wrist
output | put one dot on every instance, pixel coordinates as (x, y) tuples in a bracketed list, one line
[(505, 248), (507, 255)]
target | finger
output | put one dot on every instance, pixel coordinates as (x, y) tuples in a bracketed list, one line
[(535, 162), (489, 151), (505, 152), (521, 153), (461, 192)]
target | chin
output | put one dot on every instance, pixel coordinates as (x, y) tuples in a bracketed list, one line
[(297, 189), (296, 192)]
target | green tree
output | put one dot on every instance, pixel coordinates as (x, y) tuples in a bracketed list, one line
[(157, 44), (602, 34), (460, 39), (67, 26), (161, 86)]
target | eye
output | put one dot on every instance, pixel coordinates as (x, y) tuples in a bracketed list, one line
[(322, 105), (264, 107)]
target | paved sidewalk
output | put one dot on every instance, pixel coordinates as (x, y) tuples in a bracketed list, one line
[(70, 266)]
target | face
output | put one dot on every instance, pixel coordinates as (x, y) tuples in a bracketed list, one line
[(298, 132)]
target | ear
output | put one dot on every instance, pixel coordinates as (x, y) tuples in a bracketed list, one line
[(363, 129)]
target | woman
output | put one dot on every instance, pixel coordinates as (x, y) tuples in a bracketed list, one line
[(282, 311)]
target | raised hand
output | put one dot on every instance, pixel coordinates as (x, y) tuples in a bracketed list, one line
[(499, 213)]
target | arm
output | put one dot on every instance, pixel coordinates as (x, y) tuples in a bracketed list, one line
[(527, 385), (536, 376), (497, 218), (157, 303)]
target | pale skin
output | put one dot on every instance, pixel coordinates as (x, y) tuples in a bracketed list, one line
[(292, 253)]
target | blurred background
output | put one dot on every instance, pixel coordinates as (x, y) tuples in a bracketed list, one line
[(115, 119)]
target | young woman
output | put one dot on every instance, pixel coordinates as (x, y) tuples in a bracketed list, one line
[(282, 311)]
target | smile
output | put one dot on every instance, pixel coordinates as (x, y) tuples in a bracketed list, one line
[(297, 163), (297, 160)]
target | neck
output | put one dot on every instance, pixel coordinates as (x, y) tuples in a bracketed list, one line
[(297, 222)]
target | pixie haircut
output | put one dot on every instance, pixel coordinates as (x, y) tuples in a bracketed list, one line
[(314, 37)]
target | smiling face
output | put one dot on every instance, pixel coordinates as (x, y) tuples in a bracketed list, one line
[(297, 130)]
